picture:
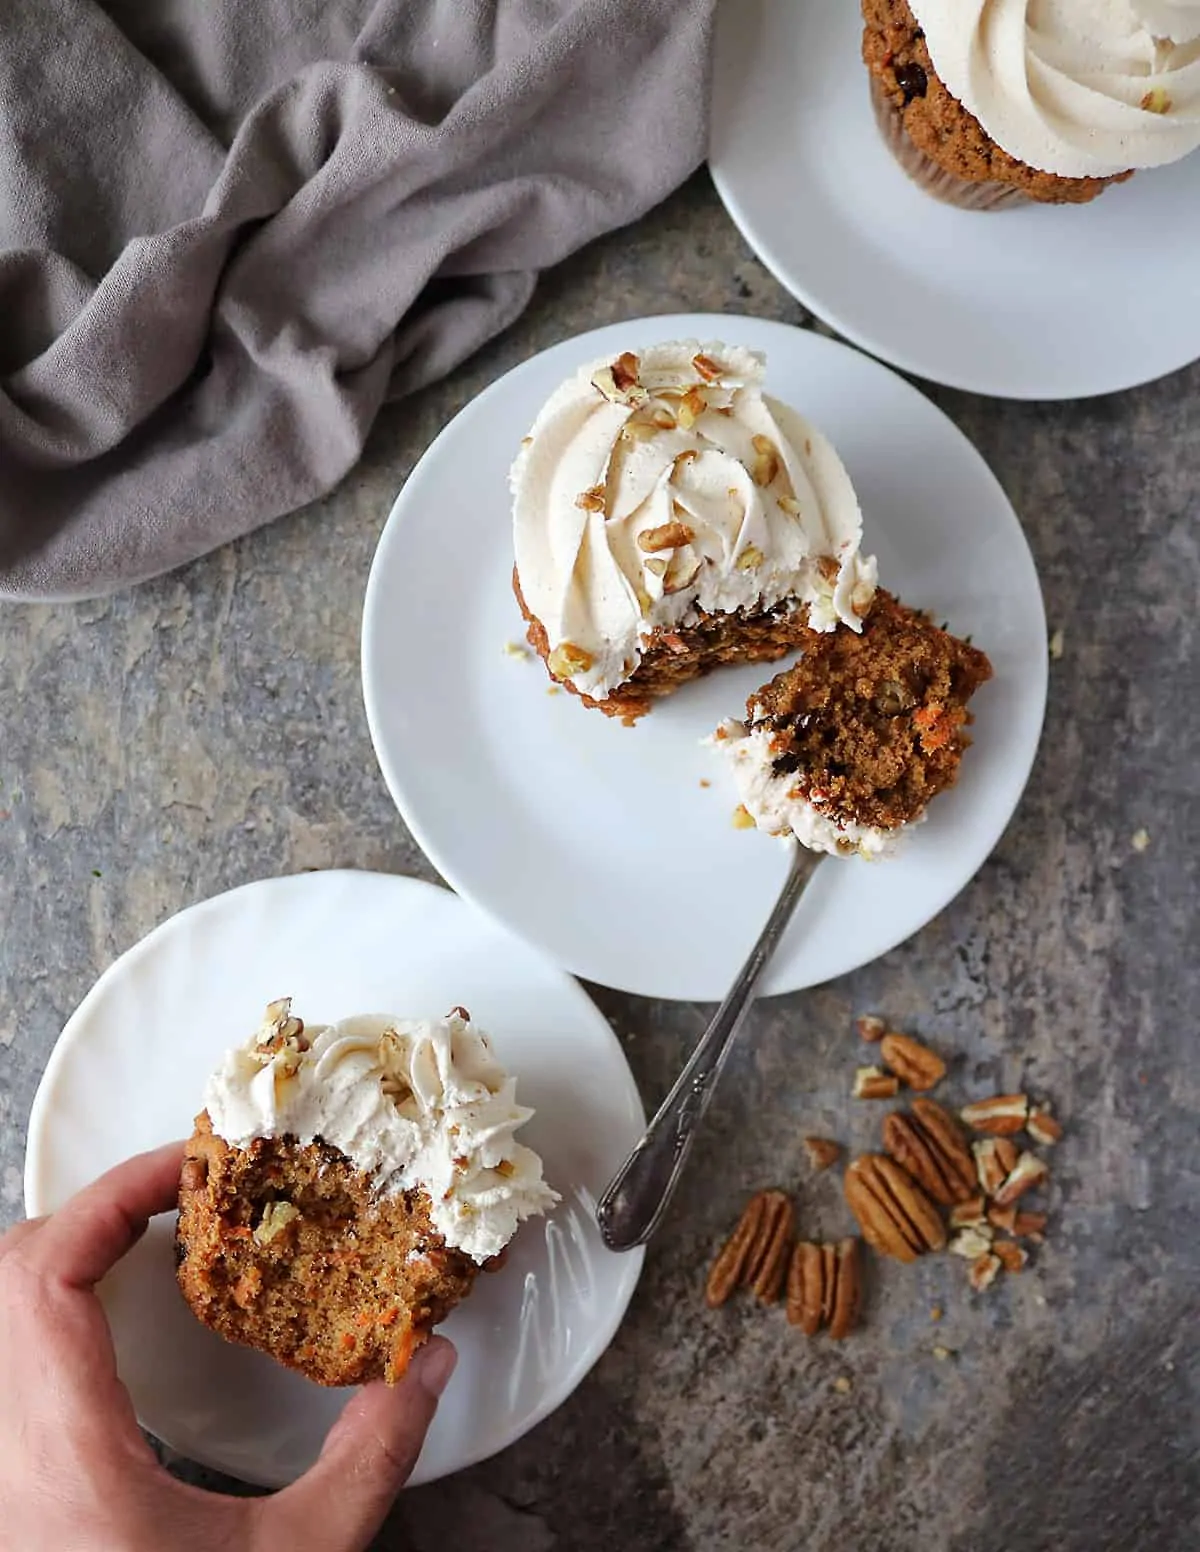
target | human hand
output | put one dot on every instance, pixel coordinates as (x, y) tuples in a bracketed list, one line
[(76, 1474)]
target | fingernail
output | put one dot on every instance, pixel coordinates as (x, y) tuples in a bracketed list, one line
[(435, 1363)]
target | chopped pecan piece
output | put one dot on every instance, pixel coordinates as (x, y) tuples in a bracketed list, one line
[(912, 1062), (969, 1214), (971, 1243), (1029, 1225), (993, 1163), (822, 1151), (1026, 1173), (873, 1083), (871, 1027), (999, 1116), (1043, 1128), (1010, 1254), (983, 1272)]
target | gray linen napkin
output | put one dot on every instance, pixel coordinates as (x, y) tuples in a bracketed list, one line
[(229, 229)]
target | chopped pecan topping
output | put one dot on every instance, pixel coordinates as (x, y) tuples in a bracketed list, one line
[(983, 1272), (667, 536), (1010, 1254), (870, 1027)]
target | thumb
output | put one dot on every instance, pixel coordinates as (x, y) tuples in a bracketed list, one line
[(368, 1456)]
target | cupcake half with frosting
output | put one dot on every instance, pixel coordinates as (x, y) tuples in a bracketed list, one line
[(991, 103), (669, 516), (346, 1183), (846, 749)]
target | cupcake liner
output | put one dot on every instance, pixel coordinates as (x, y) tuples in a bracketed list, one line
[(927, 174)]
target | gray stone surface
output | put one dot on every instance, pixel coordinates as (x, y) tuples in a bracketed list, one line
[(164, 745)]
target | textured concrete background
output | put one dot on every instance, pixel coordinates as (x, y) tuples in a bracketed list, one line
[(208, 729)]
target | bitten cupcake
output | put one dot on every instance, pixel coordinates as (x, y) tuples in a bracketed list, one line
[(345, 1184), (669, 516), (992, 103)]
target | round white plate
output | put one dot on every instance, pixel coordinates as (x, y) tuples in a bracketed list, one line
[(129, 1071), (602, 844), (1045, 302)]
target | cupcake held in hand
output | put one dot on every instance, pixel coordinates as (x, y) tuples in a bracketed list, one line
[(991, 103), (344, 1186)]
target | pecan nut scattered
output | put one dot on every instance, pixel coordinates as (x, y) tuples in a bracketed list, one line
[(756, 1253), (969, 1214), (843, 1313), (995, 1158), (871, 1027), (895, 1215), (906, 1143), (999, 1116), (983, 1272), (942, 1134), (1026, 1173), (1043, 1128), (1010, 1254), (912, 1062), (806, 1288), (822, 1151), (873, 1083)]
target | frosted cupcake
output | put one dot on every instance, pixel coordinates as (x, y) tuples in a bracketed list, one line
[(669, 516), (344, 1185), (993, 103)]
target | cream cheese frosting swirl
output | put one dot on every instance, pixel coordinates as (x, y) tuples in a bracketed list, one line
[(656, 487), (418, 1103), (1078, 88)]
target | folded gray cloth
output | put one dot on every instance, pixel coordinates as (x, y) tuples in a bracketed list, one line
[(229, 229)]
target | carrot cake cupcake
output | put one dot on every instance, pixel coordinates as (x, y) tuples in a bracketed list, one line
[(344, 1186), (849, 746), (669, 516), (989, 103)]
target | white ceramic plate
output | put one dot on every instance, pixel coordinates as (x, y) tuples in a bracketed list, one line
[(129, 1071), (598, 842), (1036, 303)]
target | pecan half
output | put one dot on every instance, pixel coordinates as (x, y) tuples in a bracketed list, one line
[(912, 1062), (999, 1116), (806, 1287), (907, 1145), (755, 1254), (944, 1137), (843, 1311), (895, 1215)]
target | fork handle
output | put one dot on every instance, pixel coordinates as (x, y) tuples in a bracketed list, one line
[(638, 1194)]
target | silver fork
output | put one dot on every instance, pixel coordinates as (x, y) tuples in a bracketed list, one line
[(636, 1198)]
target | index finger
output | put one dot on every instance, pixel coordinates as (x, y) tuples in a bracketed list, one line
[(89, 1234)]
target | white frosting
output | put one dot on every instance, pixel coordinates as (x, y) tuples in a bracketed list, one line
[(417, 1103), (778, 806), (596, 474), (1060, 84)]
